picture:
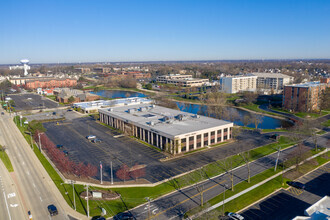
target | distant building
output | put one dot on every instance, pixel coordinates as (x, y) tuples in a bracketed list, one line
[(317, 211), (304, 97), (102, 69), (63, 95), (43, 82), (82, 70), (181, 80), (272, 81), (234, 84), (168, 129)]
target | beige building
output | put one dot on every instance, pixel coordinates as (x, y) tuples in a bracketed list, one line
[(168, 129), (181, 80), (272, 81), (234, 84)]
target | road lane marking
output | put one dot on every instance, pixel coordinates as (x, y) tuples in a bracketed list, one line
[(11, 195), (13, 205), (40, 198), (189, 198), (4, 195)]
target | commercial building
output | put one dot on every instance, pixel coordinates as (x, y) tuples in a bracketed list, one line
[(168, 129), (317, 211), (82, 70), (272, 81), (234, 84), (94, 106), (63, 95), (102, 69), (304, 97), (43, 82), (181, 80)]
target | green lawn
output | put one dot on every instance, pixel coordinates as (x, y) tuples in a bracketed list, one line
[(326, 123), (302, 114), (6, 161)]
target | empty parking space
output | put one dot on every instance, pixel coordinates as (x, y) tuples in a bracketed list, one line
[(32, 102), (286, 204)]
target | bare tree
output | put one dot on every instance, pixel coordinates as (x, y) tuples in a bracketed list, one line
[(227, 165), (195, 178), (256, 119), (246, 157), (246, 120)]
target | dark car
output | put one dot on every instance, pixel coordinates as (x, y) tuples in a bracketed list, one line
[(96, 140), (52, 210), (54, 113), (69, 110), (59, 146), (123, 216), (66, 153), (99, 218), (297, 185)]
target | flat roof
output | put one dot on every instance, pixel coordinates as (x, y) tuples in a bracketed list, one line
[(168, 121), (110, 103), (271, 75), (307, 84)]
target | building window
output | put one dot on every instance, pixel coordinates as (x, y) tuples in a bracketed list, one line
[(212, 141), (183, 140), (191, 138), (219, 132), (183, 149), (199, 144), (199, 137), (191, 146), (212, 133), (225, 137), (225, 130), (218, 139), (206, 135), (206, 143)]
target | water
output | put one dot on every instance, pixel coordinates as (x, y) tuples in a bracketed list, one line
[(267, 122), (118, 94)]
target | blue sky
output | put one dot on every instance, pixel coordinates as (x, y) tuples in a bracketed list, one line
[(94, 30)]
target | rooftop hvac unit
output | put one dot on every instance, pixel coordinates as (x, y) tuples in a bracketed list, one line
[(131, 110), (110, 110), (152, 123)]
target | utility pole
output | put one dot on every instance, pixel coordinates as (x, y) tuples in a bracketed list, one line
[(73, 194), (278, 155), (111, 172), (149, 213), (87, 203)]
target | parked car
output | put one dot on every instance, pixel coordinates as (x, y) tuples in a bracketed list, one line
[(123, 216), (69, 110), (89, 137), (59, 146), (54, 113), (66, 153), (52, 210), (235, 216), (297, 185), (96, 140)]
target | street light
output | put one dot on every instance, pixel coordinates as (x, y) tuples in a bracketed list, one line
[(224, 197), (73, 194), (283, 171)]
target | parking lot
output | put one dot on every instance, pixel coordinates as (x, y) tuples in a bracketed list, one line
[(124, 150), (32, 102), (286, 204)]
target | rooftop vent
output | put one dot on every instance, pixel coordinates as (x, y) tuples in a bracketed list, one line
[(110, 110), (131, 110)]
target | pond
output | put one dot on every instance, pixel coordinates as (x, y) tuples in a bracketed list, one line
[(118, 94), (267, 122)]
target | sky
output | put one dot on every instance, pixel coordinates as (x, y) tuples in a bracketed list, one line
[(62, 31)]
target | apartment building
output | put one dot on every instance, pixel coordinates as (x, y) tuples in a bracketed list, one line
[(272, 81), (168, 129), (304, 97), (235, 84)]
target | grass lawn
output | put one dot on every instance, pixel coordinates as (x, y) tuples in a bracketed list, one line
[(52, 97), (6, 161), (326, 123), (310, 115), (321, 132), (131, 197)]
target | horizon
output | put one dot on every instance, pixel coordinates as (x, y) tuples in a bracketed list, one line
[(165, 31)]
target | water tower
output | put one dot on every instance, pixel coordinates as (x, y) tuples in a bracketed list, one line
[(26, 67)]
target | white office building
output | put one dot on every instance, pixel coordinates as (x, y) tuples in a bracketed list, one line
[(272, 81)]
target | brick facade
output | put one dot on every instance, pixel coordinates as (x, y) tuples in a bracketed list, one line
[(51, 83)]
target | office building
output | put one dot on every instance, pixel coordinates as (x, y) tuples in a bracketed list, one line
[(235, 84)]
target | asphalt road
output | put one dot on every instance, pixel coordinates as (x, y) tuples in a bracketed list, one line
[(121, 149), (182, 200), (10, 204), (30, 101), (35, 188), (286, 204)]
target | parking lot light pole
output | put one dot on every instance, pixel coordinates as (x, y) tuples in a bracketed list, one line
[(74, 197), (111, 172), (39, 142), (87, 203)]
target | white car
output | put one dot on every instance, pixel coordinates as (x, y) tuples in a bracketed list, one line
[(235, 216), (89, 137)]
